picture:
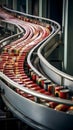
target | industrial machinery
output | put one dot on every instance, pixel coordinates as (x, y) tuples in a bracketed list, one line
[(43, 98)]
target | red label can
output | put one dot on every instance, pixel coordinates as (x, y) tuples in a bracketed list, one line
[(64, 93)]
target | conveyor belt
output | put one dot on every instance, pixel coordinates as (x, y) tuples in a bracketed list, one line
[(27, 92)]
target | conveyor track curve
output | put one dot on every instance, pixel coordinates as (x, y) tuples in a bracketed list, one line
[(29, 94)]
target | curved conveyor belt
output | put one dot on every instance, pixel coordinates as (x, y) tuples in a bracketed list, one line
[(28, 93)]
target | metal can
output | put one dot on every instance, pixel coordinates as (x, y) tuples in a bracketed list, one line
[(46, 84), (53, 104), (40, 81), (70, 110), (61, 107), (33, 76), (57, 90), (64, 93), (51, 88)]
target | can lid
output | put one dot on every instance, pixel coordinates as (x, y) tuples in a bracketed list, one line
[(64, 90), (47, 81), (58, 87)]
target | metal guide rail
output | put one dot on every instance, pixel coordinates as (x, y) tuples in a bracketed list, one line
[(56, 75), (23, 88), (18, 32)]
